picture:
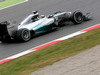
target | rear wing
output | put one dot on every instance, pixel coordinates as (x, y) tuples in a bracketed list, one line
[(3, 29)]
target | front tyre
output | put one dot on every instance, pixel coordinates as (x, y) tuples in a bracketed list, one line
[(77, 17), (23, 35)]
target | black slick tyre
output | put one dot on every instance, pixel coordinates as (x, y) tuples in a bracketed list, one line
[(77, 17), (23, 35)]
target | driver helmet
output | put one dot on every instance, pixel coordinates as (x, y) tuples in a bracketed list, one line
[(42, 16)]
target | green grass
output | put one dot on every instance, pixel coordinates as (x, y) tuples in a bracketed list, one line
[(7, 3), (48, 55)]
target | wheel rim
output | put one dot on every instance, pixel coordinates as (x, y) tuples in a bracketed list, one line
[(26, 35)]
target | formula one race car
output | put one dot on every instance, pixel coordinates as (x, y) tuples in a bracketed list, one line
[(35, 24)]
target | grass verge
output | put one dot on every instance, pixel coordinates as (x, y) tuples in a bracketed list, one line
[(48, 55), (7, 3)]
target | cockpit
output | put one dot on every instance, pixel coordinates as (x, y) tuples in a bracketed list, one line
[(33, 18)]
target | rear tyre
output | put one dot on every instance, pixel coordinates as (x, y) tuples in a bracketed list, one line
[(23, 35), (77, 17)]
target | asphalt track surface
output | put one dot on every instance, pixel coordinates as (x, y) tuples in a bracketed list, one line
[(19, 12)]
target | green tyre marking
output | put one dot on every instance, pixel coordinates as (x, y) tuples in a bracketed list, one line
[(26, 35)]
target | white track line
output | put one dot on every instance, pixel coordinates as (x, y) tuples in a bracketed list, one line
[(14, 5)]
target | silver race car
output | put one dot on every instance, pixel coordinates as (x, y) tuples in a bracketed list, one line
[(35, 24)]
